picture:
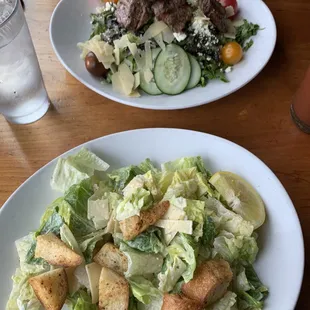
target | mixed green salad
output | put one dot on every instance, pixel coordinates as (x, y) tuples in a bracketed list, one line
[(142, 238), (167, 52)]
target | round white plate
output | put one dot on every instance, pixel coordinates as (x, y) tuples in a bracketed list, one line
[(281, 258), (70, 24)]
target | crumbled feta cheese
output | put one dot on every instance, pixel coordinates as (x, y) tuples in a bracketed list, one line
[(228, 69), (109, 6), (230, 11), (201, 25), (180, 36), (192, 2), (208, 58)]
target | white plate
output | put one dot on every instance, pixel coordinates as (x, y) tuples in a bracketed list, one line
[(281, 259), (70, 24)]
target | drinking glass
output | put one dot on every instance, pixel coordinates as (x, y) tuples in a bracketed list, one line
[(23, 98)]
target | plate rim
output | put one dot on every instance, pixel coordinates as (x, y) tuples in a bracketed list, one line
[(153, 106), (299, 231)]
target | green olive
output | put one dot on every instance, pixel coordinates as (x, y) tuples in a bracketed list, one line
[(93, 65)]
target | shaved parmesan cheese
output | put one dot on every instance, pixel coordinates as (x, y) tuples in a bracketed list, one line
[(229, 11), (231, 30), (122, 42), (137, 80), (135, 94), (176, 226), (148, 55), (155, 29), (123, 80), (117, 55), (168, 36), (93, 271), (148, 75), (159, 41)]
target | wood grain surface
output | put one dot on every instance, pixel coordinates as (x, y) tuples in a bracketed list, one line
[(257, 117)]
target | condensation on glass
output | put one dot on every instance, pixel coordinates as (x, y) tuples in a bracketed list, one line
[(23, 98)]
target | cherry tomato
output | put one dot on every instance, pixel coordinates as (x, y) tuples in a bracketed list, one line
[(93, 66), (231, 53), (231, 7)]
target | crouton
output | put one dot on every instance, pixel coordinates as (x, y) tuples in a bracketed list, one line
[(113, 291), (51, 288), (210, 282), (180, 302), (133, 226), (111, 257), (56, 252)]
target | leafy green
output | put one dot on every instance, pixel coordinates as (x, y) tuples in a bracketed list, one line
[(139, 200), (74, 210), (81, 301), (147, 165), (235, 248), (212, 70), (139, 263), (245, 32), (251, 291), (52, 225), (22, 295), (88, 243), (227, 302), (121, 177), (149, 241), (209, 232), (68, 238), (143, 289)]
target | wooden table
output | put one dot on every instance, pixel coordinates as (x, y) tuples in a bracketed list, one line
[(256, 117)]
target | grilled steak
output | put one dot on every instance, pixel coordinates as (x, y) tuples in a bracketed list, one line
[(216, 12), (133, 14), (175, 13)]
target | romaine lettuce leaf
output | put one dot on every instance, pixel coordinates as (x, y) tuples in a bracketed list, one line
[(150, 241), (75, 168), (155, 304), (184, 163), (143, 289), (80, 301), (227, 220), (251, 291), (185, 189), (88, 243), (209, 232), (173, 269), (147, 165), (121, 177), (140, 200), (74, 209), (139, 263), (227, 302), (22, 295), (235, 248), (68, 238)]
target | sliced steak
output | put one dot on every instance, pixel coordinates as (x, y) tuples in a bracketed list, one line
[(133, 14), (175, 13), (216, 12)]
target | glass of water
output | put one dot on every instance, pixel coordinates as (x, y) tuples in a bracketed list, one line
[(23, 98)]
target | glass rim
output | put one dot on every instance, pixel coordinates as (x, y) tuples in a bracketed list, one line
[(11, 15)]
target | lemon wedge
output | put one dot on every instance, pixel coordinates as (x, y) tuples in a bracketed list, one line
[(240, 196)]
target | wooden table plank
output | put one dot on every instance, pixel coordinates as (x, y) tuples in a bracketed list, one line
[(256, 117)]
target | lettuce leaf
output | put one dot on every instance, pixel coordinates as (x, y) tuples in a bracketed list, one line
[(235, 248), (139, 200), (73, 169), (81, 301), (88, 243), (22, 295), (143, 289), (227, 302), (147, 165), (150, 241), (227, 220), (139, 263), (121, 177)]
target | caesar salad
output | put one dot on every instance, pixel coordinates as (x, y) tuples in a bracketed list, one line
[(142, 238)]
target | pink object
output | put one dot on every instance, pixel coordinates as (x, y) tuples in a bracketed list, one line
[(300, 108)]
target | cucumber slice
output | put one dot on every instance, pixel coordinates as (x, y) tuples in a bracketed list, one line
[(195, 73), (172, 70), (150, 88)]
